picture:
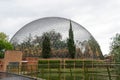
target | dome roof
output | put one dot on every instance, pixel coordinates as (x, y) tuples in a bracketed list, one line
[(61, 25), (55, 25)]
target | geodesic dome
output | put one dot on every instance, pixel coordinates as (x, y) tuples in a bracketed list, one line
[(58, 30)]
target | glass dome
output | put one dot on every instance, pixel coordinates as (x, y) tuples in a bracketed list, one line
[(58, 30)]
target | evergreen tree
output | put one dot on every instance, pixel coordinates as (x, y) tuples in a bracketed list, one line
[(46, 49), (70, 43)]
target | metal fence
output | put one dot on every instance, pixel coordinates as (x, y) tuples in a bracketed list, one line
[(69, 70)]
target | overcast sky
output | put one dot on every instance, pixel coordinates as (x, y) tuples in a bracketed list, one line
[(100, 17)]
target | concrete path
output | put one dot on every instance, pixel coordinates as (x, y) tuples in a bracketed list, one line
[(8, 76)]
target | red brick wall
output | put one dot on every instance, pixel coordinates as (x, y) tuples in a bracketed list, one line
[(12, 56), (1, 64), (31, 63)]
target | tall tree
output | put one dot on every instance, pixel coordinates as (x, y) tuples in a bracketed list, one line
[(46, 49), (70, 42), (115, 50)]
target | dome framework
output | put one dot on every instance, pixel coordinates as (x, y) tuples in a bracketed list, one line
[(30, 37)]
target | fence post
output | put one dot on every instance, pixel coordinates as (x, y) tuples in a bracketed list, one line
[(48, 69), (83, 70), (31, 69), (71, 71), (74, 64), (59, 67), (109, 75), (18, 68), (64, 65)]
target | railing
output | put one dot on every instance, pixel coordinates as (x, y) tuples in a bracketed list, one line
[(69, 70)]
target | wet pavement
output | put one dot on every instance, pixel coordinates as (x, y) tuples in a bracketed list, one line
[(8, 76)]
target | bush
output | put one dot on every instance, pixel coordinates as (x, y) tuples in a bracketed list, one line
[(49, 63), (1, 55), (69, 63), (54, 63), (43, 64)]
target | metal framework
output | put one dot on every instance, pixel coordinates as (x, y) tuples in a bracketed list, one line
[(29, 38)]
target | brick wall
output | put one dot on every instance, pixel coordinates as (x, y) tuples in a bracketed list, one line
[(12, 56), (31, 63)]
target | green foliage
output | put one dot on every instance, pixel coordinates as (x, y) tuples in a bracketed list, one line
[(32, 46), (70, 43), (54, 37), (80, 63), (3, 36), (68, 63), (55, 62), (46, 49), (115, 50), (43, 62), (115, 47), (1, 55), (52, 63), (4, 44)]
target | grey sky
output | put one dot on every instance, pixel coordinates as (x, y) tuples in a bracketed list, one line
[(100, 17)]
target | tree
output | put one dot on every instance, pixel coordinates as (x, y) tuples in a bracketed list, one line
[(115, 50), (3, 36), (31, 46), (95, 48), (4, 44), (55, 38), (46, 49), (70, 43)]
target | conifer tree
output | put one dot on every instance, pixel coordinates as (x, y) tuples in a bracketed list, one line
[(70, 43), (46, 49)]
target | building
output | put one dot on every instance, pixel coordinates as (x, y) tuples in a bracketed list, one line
[(14, 58), (10, 58)]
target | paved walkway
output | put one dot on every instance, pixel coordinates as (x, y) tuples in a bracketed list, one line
[(8, 76)]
